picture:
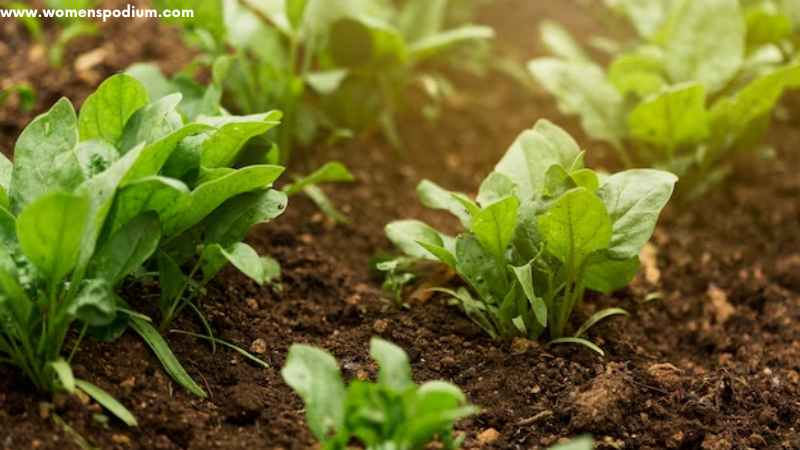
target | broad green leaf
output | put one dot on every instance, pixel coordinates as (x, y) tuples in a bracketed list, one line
[(127, 249), (94, 304), (525, 279), (494, 188), (732, 117), (533, 152), (647, 16), (560, 43), (395, 370), (164, 196), (494, 226), (361, 41), (695, 51), (441, 253), (95, 156), (105, 113), (435, 44), (272, 269), (157, 152), (208, 196), (164, 354), (434, 196), (576, 225), (606, 275), (634, 199), (44, 156), (8, 229), (64, 374), (326, 82), (6, 169), (640, 73), (421, 18), (315, 376), (151, 123), (212, 260), (586, 178), (230, 222), (480, 269), (108, 402), (232, 133), (152, 79), (671, 120), (50, 231), (766, 25), (583, 89), (331, 172), (407, 234), (246, 260)]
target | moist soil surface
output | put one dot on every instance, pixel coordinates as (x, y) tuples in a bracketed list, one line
[(708, 359)]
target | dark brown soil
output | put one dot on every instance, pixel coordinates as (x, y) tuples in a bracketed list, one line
[(712, 363)]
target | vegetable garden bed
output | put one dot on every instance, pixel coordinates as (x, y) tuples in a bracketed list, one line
[(709, 357)]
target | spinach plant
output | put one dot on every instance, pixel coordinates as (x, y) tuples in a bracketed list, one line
[(678, 97), (393, 412), (57, 267), (196, 178), (542, 230), (315, 59)]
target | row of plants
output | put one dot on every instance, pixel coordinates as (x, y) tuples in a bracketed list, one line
[(156, 180)]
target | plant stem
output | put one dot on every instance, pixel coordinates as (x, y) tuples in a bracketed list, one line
[(167, 319)]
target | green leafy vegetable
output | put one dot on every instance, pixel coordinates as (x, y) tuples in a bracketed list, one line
[(542, 231), (678, 97), (393, 412)]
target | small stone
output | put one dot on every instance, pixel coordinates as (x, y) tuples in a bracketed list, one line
[(121, 439), (306, 238), (44, 410), (380, 326), (36, 443), (521, 345), (259, 346), (488, 436), (676, 440), (721, 308), (128, 385), (252, 303)]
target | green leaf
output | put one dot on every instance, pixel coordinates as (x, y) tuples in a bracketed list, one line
[(640, 73), (246, 259), (576, 225), (44, 156), (151, 123), (606, 275), (694, 50), (152, 79), (579, 341), (331, 172), (434, 196), (230, 222), (560, 43), (395, 370), (634, 200), (647, 16), (128, 248), (50, 231), (480, 269), (766, 25), (95, 156), (107, 401), (168, 360), (532, 153), (171, 278), (524, 277), (295, 9), (212, 260), (495, 188), (360, 41), (156, 153), (597, 317), (6, 169), (64, 374), (435, 44), (232, 133), (324, 203), (164, 196), (315, 376), (421, 18), (326, 82), (95, 304), (208, 196), (583, 89), (407, 234), (494, 226), (671, 120), (104, 113)]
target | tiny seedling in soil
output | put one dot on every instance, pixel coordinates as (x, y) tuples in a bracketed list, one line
[(542, 230), (393, 412), (679, 97)]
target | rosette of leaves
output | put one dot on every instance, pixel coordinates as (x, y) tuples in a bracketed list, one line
[(392, 412), (195, 176), (678, 97), (315, 59), (542, 230)]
